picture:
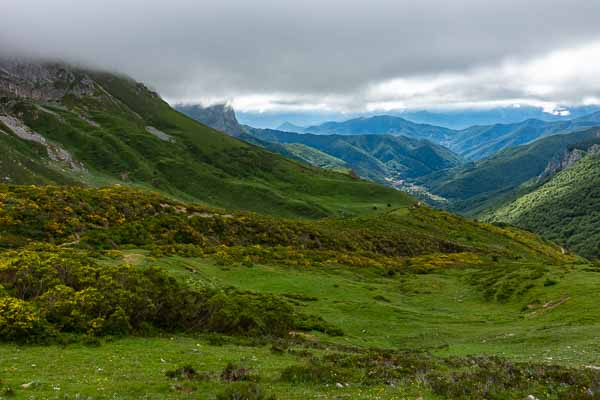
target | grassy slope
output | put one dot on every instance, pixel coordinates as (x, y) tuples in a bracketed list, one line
[(509, 294), (565, 209), (315, 157), (438, 312), (201, 164)]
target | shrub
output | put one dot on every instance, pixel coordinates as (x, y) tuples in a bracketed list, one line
[(244, 391), (187, 372), (236, 373), (19, 321), (311, 373), (75, 294)]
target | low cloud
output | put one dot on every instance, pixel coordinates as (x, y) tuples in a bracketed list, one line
[(342, 55)]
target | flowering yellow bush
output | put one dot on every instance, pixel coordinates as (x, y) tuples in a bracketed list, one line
[(18, 320)]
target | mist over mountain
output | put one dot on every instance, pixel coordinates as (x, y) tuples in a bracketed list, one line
[(457, 119)]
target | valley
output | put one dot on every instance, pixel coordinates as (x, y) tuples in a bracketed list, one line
[(145, 254)]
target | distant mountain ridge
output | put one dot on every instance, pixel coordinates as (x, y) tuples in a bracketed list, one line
[(482, 141), (465, 118), (474, 143), (289, 127), (384, 125)]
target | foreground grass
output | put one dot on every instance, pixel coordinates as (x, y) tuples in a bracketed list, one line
[(446, 313)]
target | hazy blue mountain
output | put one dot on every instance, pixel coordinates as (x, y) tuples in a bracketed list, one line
[(454, 119), (462, 119), (273, 119), (289, 127), (473, 143), (384, 125), (481, 141)]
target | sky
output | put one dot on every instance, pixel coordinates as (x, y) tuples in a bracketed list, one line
[(330, 56)]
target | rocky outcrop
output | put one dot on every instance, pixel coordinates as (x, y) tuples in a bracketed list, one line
[(219, 116), (42, 81), (159, 134), (568, 159), (55, 152)]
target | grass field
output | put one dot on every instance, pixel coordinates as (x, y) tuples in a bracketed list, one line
[(555, 320)]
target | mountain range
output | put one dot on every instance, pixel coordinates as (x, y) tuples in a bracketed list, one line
[(502, 163), (65, 125), (456, 118), (473, 143)]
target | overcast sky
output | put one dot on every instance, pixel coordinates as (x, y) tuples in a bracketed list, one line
[(326, 54)]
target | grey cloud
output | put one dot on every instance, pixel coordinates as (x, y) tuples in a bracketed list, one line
[(191, 49)]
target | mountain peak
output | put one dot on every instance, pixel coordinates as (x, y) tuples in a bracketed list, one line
[(219, 116), (289, 127)]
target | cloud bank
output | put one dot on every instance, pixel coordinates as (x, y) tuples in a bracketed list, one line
[(326, 54)]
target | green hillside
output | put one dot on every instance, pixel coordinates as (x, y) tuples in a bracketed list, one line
[(120, 132), (565, 209), (132, 294), (476, 187), (381, 158), (315, 157)]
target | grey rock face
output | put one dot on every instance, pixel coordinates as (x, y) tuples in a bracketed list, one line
[(43, 82), (567, 160), (55, 152), (219, 116), (159, 134)]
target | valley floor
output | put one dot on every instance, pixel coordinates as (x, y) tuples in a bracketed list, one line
[(544, 316)]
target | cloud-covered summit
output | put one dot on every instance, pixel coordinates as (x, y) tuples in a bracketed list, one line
[(327, 54)]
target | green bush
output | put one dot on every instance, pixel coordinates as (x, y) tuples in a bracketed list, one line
[(244, 391), (70, 292), (19, 320)]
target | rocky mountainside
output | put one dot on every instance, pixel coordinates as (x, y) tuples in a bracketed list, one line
[(61, 124), (47, 82), (218, 116), (565, 206), (569, 158), (477, 187)]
